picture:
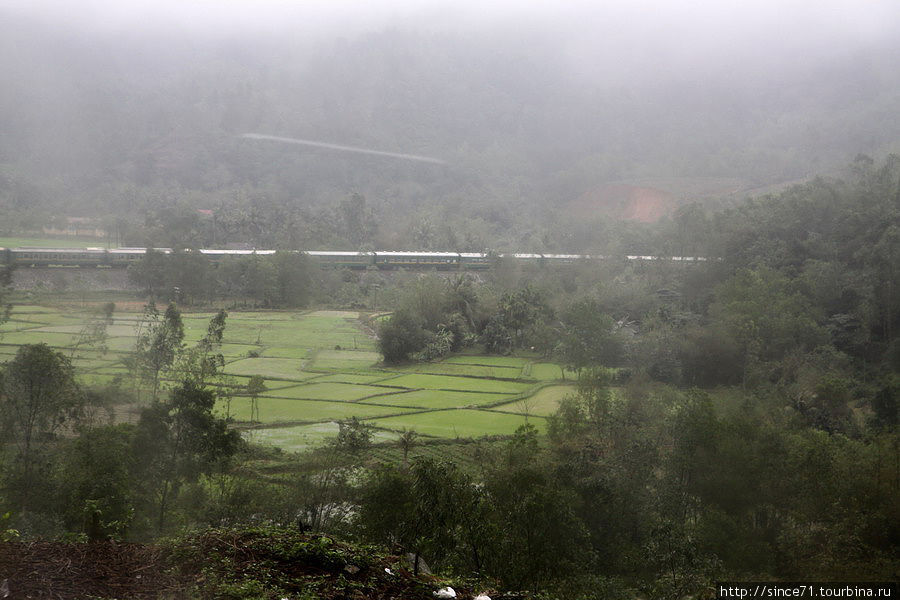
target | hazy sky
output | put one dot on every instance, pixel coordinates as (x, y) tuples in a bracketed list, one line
[(613, 41), (715, 21)]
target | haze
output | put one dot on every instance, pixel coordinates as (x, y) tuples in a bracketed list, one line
[(530, 105)]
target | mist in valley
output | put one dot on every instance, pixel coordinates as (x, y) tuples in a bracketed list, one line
[(583, 302), (111, 107)]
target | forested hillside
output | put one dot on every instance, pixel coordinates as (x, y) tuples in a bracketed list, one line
[(146, 129)]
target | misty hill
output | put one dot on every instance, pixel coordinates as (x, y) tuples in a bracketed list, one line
[(104, 123)]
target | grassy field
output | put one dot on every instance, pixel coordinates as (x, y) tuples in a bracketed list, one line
[(318, 367), (55, 242), (542, 403), (455, 423)]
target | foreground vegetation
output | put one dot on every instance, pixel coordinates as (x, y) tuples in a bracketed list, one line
[(253, 562), (733, 419)]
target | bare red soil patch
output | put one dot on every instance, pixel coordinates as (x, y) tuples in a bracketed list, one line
[(622, 201)]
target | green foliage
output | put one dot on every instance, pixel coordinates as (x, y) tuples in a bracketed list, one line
[(158, 343), (7, 534), (6, 272), (150, 273), (496, 337), (681, 569), (886, 406), (353, 435), (39, 398), (422, 509), (649, 488), (293, 273), (518, 322), (178, 440), (767, 318), (438, 346), (96, 479), (203, 364), (539, 537), (401, 336), (277, 562), (589, 337), (280, 280), (709, 356)]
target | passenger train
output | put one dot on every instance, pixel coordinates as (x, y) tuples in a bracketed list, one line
[(122, 257)]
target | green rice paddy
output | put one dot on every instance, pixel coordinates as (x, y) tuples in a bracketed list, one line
[(319, 367), (304, 437), (542, 403), (458, 423), (286, 410), (463, 384), (545, 371), (438, 399)]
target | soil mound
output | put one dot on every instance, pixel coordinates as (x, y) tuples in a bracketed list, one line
[(61, 571)]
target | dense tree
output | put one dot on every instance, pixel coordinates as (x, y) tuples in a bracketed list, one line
[(419, 508), (175, 442), (39, 398), (886, 405), (588, 337), (96, 482), (150, 273), (521, 311), (353, 436), (762, 312), (539, 536), (188, 277), (294, 275), (400, 336), (709, 356), (6, 271)]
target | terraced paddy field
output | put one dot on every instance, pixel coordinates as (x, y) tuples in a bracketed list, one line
[(319, 367), (542, 403)]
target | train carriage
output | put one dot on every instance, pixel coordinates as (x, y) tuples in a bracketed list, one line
[(563, 259), (351, 260), (525, 258), (475, 260), (60, 257), (122, 257), (438, 260)]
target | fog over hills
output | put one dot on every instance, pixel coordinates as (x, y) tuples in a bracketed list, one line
[(530, 107)]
